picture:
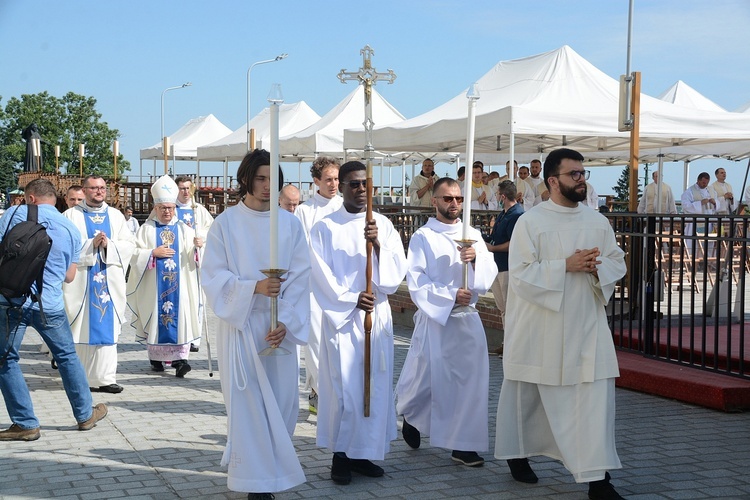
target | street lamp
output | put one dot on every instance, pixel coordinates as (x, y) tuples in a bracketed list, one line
[(188, 84), (247, 126)]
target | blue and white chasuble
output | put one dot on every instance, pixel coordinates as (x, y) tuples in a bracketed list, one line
[(101, 313), (168, 283)]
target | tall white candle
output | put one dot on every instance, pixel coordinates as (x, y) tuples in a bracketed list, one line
[(81, 150), (116, 148), (275, 99), (57, 151), (472, 95)]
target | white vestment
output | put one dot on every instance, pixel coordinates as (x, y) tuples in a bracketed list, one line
[(338, 278), (691, 204), (648, 202), (143, 291), (592, 199), (418, 183), (309, 213), (723, 205), (527, 193), (260, 392), (99, 361), (539, 188), (490, 201), (444, 383), (559, 359)]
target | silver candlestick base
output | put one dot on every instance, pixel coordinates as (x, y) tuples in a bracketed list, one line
[(274, 350)]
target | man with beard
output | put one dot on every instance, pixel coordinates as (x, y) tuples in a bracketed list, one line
[(540, 191), (339, 281), (442, 390), (559, 365)]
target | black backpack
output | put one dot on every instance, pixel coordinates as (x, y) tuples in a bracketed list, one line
[(23, 254)]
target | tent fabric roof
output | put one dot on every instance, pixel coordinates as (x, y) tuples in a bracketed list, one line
[(293, 117), (684, 95), (548, 101), (326, 136), (184, 143)]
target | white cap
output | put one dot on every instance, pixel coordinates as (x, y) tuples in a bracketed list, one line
[(164, 190)]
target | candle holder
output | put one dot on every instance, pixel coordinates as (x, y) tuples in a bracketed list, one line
[(274, 350), (465, 243)]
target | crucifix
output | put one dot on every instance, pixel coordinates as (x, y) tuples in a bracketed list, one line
[(367, 76)]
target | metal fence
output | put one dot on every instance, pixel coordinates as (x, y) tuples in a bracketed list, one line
[(683, 299)]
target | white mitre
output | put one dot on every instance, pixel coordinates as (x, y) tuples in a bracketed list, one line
[(164, 190)]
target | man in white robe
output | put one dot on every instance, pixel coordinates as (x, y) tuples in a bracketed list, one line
[(648, 203), (559, 365), (524, 189), (339, 284), (95, 301), (163, 290), (199, 219), (535, 179), (420, 189), (724, 193), (325, 175), (443, 388), (698, 199), (289, 198), (260, 392), (482, 197)]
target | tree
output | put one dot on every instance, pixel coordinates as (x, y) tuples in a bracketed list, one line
[(66, 122), (622, 190)]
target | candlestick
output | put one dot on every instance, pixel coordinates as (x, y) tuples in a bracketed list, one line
[(275, 98), (57, 158), (472, 95), (81, 152)]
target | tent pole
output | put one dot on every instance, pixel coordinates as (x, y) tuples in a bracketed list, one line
[(634, 142), (661, 180), (685, 175), (403, 182)]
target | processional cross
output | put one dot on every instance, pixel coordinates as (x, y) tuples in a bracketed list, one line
[(367, 76)]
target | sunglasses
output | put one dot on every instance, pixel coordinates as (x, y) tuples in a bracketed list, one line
[(448, 199), (357, 184)]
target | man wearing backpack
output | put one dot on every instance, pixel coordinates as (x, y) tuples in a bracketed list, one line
[(52, 325), (95, 300)]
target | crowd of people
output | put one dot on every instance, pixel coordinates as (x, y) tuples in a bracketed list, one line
[(551, 262)]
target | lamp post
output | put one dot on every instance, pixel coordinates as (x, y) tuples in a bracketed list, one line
[(164, 142), (247, 126)]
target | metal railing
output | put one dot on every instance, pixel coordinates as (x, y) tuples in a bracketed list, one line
[(683, 299)]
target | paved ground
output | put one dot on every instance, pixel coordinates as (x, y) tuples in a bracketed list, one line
[(164, 437)]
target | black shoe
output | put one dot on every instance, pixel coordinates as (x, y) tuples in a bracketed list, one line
[(411, 435), (603, 489), (521, 470), (341, 471), (53, 364), (111, 389), (468, 458), (260, 496), (195, 348), (365, 467), (157, 366), (182, 369)]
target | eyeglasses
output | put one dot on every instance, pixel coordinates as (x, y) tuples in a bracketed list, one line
[(167, 209), (96, 188), (357, 184), (575, 174), (448, 199)]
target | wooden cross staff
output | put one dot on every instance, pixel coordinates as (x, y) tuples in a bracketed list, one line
[(367, 76)]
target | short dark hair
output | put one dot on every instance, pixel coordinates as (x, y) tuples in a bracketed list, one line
[(479, 163), (321, 163), (459, 173), (508, 188), (444, 180), (128, 208), (523, 167), (552, 163), (536, 161), (41, 188), (248, 169), (349, 167), (92, 177), (183, 178), (704, 175), (74, 187), (716, 172)]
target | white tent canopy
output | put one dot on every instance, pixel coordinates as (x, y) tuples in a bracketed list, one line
[(547, 101), (184, 143), (293, 117), (745, 108), (326, 136), (684, 95)]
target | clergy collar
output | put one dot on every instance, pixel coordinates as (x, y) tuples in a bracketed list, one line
[(551, 205), (88, 208)]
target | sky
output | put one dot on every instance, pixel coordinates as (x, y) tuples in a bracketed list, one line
[(124, 54)]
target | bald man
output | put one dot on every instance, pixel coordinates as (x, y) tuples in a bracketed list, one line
[(289, 198)]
